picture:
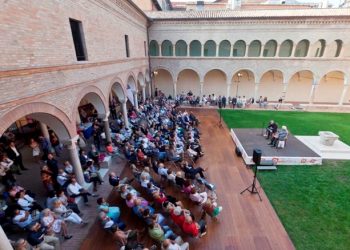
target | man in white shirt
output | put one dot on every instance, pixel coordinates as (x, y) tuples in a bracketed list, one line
[(175, 245), (74, 190), (22, 218), (62, 178)]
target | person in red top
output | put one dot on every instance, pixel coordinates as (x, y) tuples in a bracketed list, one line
[(178, 216), (193, 228)]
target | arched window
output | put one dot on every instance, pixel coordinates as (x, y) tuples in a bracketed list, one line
[(339, 47), (224, 48), (181, 48), (167, 48), (210, 48), (319, 49), (254, 49), (239, 49), (195, 48), (153, 48), (302, 48), (286, 49), (270, 48)]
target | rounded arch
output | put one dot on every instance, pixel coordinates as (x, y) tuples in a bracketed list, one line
[(254, 49), (167, 48), (302, 48), (181, 48), (270, 49), (225, 48), (210, 48), (243, 83), (118, 90), (299, 86), (163, 81), (93, 95), (286, 49), (195, 48), (330, 88), (153, 48), (188, 79), (141, 79), (271, 85), (334, 48), (43, 112), (215, 82), (239, 49)]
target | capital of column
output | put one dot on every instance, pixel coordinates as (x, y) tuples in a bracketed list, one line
[(71, 143)]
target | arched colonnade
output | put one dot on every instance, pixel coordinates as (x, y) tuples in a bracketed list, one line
[(302, 86), (65, 124)]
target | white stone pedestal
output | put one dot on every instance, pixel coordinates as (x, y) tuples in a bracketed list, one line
[(327, 138)]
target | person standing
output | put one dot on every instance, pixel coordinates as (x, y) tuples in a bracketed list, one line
[(14, 154), (223, 101), (34, 145)]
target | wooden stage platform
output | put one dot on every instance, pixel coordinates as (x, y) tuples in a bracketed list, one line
[(294, 153), (244, 223)]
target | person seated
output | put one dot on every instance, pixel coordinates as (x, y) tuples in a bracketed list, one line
[(178, 214), (91, 174), (39, 238), (176, 244), (171, 176), (179, 179), (280, 138), (149, 218), (83, 158), (159, 233), (160, 198), (211, 208), (125, 189), (26, 202), (115, 181), (6, 175), (111, 150), (193, 228), (69, 203), (271, 129), (54, 224), (110, 226), (187, 187), (199, 198), (63, 179), (23, 218), (112, 212), (75, 190), (68, 168), (66, 214), (191, 172), (140, 206)]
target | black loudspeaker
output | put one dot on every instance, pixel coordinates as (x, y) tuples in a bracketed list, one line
[(238, 152), (257, 156)]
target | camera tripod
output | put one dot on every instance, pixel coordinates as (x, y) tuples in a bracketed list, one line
[(252, 188)]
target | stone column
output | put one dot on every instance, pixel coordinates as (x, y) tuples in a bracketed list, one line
[(284, 93), (217, 50), (277, 49), (107, 129), (74, 159), (228, 90), (160, 49), (144, 93), (231, 50), (201, 89), (262, 50), (343, 94), (312, 92), (175, 92), (202, 50), (174, 47), (4, 241), (136, 102), (44, 130), (188, 50), (125, 114), (256, 90), (293, 50)]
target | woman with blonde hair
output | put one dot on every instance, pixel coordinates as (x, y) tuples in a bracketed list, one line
[(66, 214), (53, 224)]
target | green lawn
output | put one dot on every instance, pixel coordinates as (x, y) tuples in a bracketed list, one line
[(313, 202)]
